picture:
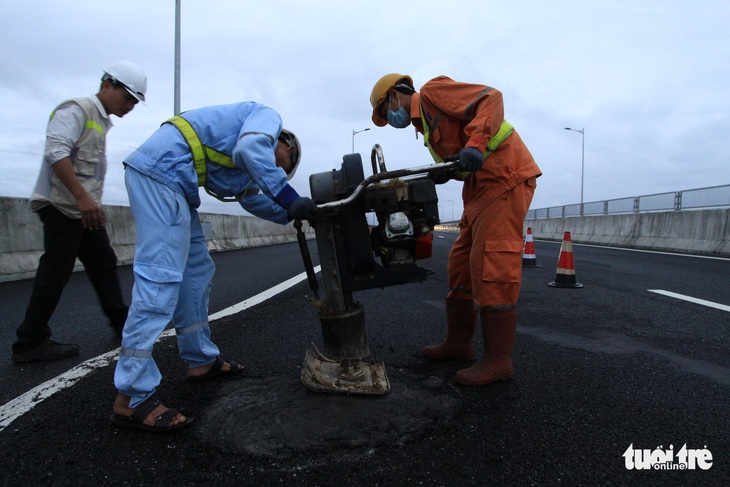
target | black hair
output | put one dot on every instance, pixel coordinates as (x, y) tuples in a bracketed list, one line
[(114, 82), (404, 86)]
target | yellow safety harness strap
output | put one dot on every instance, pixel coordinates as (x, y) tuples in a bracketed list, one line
[(201, 153), (196, 147)]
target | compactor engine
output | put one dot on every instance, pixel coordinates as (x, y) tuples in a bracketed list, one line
[(356, 254)]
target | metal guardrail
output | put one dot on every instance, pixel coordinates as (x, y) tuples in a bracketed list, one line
[(691, 199)]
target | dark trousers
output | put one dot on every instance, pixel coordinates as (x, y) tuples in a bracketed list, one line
[(64, 240)]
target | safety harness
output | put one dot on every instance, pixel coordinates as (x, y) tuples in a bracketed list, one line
[(505, 130), (202, 154)]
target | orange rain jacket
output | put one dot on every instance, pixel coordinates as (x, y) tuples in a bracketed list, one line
[(485, 260), (464, 115)]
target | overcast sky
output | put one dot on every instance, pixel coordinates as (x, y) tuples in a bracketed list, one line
[(648, 80)]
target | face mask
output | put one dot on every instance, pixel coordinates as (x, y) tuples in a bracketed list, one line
[(400, 119)]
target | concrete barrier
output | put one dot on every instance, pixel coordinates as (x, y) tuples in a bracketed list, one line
[(21, 237), (704, 232)]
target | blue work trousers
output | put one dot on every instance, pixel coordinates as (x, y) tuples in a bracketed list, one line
[(172, 276)]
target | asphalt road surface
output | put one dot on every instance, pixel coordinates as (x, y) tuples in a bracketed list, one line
[(629, 371)]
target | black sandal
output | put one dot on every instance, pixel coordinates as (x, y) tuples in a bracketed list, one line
[(216, 370), (140, 413)]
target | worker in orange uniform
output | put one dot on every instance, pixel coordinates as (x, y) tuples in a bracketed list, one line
[(499, 174)]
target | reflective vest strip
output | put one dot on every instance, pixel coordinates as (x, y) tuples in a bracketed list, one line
[(505, 130), (201, 153), (90, 124), (427, 135)]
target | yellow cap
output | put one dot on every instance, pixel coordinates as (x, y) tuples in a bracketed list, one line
[(380, 93)]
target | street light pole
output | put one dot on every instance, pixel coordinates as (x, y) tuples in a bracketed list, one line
[(452, 209), (582, 162), (176, 95), (353, 137)]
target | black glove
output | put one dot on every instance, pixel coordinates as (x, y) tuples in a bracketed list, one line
[(470, 159), (439, 176), (302, 208)]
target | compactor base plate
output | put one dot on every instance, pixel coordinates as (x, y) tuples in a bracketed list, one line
[(321, 374)]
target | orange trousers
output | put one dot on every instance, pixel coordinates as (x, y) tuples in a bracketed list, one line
[(485, 262)]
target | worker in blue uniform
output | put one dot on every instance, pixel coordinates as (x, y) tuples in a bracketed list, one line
[(237, 152)]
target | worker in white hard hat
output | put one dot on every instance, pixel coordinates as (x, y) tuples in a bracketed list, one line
[(238, 152), (67, 198)]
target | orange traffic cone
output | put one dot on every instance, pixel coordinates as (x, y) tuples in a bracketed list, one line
[(528, 253), (565, 276)]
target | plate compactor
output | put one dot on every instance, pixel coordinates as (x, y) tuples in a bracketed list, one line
[(405, 204)]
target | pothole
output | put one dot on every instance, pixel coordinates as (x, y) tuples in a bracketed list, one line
[(281, 417)]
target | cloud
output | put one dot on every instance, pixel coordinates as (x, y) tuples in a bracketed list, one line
[(646, 80)]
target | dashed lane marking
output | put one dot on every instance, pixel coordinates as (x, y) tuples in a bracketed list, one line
[(709, 304), (17, 407)]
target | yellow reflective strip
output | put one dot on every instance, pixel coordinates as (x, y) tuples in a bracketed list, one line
[(196, 147), (504, 131), (436, 157), (220, 158), (90, 124), (427, 136)]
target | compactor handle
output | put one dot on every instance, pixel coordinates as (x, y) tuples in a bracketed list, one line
[(382, 177), (306, 257)]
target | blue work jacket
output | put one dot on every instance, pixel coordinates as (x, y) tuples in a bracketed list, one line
[(248, 132)]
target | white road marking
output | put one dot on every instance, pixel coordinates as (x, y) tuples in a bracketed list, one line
[(17, 407), (14, 409), (261, 297), (709, 304)]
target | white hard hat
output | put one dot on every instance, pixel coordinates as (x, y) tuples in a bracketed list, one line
[(128, 75), (288, 137)]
